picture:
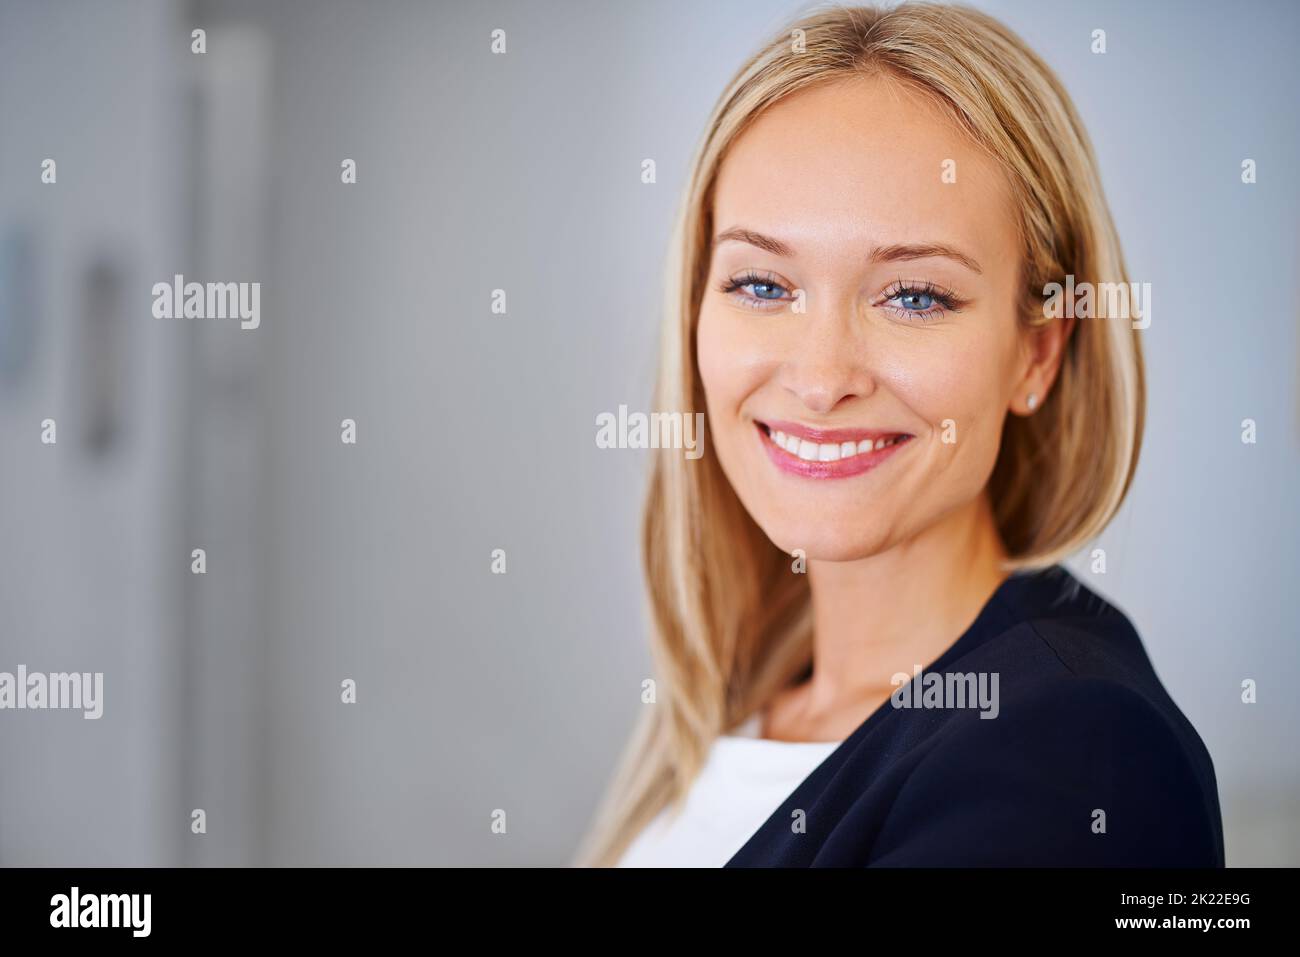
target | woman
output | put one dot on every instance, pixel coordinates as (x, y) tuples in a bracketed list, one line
[(867, 651)]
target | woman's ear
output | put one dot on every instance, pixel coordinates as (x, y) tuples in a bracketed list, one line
[(1046, 348)]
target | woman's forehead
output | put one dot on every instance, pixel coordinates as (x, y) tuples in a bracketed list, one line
[(863, 162)]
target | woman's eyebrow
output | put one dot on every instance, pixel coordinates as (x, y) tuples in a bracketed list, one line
[(899, 252), (741, 235), (904, 252)]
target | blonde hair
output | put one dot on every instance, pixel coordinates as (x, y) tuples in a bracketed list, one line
[(731, 626)]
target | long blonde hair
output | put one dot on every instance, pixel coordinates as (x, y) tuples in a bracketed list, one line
[(731, 625)]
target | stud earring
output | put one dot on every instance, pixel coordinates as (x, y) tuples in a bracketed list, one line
[(1031, 400)]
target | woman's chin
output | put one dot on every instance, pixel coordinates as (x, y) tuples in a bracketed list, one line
[(818, 542)]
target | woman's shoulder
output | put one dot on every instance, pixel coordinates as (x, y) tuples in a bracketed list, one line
[(1075, 770), (1070, 640), (1085, 761)]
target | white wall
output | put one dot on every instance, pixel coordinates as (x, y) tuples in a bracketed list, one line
[(89, 566)]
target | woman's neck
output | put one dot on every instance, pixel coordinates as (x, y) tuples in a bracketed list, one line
[(879, 616)]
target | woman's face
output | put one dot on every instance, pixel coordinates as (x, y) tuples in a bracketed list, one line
[(862, 205)]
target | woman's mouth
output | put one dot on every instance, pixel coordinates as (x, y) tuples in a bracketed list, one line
[(828, 453)]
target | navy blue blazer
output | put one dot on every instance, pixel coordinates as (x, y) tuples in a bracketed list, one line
[(1088, 762)]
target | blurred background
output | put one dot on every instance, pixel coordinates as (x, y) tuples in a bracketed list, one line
[(475, 431)]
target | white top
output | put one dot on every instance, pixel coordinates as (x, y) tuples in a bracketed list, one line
[(744, 780)]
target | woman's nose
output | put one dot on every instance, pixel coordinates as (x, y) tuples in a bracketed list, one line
[(828, 366)]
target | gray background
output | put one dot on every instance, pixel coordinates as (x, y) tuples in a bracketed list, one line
[(476, 431)]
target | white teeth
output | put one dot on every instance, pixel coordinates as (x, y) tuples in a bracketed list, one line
[(828, 452)]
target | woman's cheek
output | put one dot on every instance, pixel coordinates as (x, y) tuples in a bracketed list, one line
[(708, 353), (933, 380), (731, 360), (715, 376), (954, 387)]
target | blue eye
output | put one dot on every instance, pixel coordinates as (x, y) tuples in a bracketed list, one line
[(755, 291), (919, 300), (916, 301)]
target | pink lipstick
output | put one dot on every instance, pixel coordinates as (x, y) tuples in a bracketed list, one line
[(827, 453)]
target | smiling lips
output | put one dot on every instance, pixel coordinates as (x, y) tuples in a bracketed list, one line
[(827, 453)]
